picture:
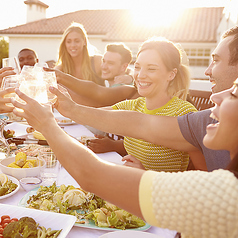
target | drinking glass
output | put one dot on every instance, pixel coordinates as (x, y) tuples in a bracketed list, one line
[(12, 62), (11, 81), (49, 173), (36, 83)]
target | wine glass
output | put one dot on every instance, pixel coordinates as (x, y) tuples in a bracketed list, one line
[(12, 62)]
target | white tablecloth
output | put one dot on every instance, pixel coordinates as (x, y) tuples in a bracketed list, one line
[(65, 178)]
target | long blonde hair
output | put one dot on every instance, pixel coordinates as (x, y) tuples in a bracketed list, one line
[(65, 60), (171, 57)]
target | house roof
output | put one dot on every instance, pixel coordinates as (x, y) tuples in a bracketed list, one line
[(193, 25)]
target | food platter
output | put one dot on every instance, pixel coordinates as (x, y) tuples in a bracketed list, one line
[(55, 221), (64, 121), (89, 224), (14, 180)]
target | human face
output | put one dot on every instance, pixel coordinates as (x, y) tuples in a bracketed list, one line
[(27, 57), (222, 75), (223, 135), (151, 76), (112, 65), (74, 44)]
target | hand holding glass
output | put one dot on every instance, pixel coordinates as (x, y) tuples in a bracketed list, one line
[(11, 81), (12, 62), (36, 84)]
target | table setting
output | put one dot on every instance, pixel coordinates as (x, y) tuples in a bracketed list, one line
[(31, 163)]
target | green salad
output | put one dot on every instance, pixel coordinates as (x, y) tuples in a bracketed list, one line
[(7, 187), (84, 205)]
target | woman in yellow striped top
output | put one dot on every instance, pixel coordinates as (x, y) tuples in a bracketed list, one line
[(163, 82)]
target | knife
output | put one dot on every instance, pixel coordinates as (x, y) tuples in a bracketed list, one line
[(23, 140)]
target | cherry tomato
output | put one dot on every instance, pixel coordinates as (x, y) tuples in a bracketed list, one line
[(4, 217), (14, 219), (6, 220), (1, 230), (1, 236), (4, 225), (0, 225)]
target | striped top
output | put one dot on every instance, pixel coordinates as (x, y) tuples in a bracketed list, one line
[(154, 157)]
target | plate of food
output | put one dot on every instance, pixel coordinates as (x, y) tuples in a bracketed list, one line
[(8, 186), (64, 121), (59, 224), (90, 210)]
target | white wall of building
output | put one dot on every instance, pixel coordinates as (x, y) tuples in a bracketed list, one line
[(45, 47)]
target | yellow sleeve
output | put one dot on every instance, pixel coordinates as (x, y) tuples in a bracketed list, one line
[(145, 192)]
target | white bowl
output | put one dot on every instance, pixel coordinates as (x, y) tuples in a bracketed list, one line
[(21, 172), (29, 183)]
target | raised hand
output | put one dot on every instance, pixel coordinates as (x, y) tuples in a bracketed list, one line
[(3, 107), (132, 161), (5, 72), (36, 114)]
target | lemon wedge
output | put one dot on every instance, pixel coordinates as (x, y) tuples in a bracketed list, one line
[(38, 135), (3, 179), (75, 197)]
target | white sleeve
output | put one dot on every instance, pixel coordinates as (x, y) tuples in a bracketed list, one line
[(195, 203)]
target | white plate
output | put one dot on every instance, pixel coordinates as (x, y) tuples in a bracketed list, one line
[(55, 221), (64, 123), (129, 234), (14, 180)]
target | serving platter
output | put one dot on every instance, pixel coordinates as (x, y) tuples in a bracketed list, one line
[(14, 180), (88, 224), (55, 221)]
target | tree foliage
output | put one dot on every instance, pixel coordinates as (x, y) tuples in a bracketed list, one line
[(4, 49)]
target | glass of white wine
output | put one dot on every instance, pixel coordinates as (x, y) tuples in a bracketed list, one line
[(36, 83), (12, 62), (11, 81)]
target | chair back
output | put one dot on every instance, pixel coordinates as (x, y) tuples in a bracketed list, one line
[(201, 99)]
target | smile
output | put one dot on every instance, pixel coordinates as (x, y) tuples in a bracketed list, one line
[(144, 84)]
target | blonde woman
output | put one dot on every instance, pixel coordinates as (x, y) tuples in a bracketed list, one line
[(74, 57)]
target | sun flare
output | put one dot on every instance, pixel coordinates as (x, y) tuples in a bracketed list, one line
[(156, 15)]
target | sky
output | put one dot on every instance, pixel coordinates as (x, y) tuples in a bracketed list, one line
[(13, 12)]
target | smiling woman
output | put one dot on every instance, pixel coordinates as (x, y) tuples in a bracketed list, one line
[(226, 111)]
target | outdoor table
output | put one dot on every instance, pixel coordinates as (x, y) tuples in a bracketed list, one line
[(77, 131)]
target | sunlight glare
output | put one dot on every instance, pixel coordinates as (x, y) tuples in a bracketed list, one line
[(155, 15)]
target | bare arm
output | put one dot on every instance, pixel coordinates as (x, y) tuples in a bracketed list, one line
[(160, 130), (101, 96), (114, 183)]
